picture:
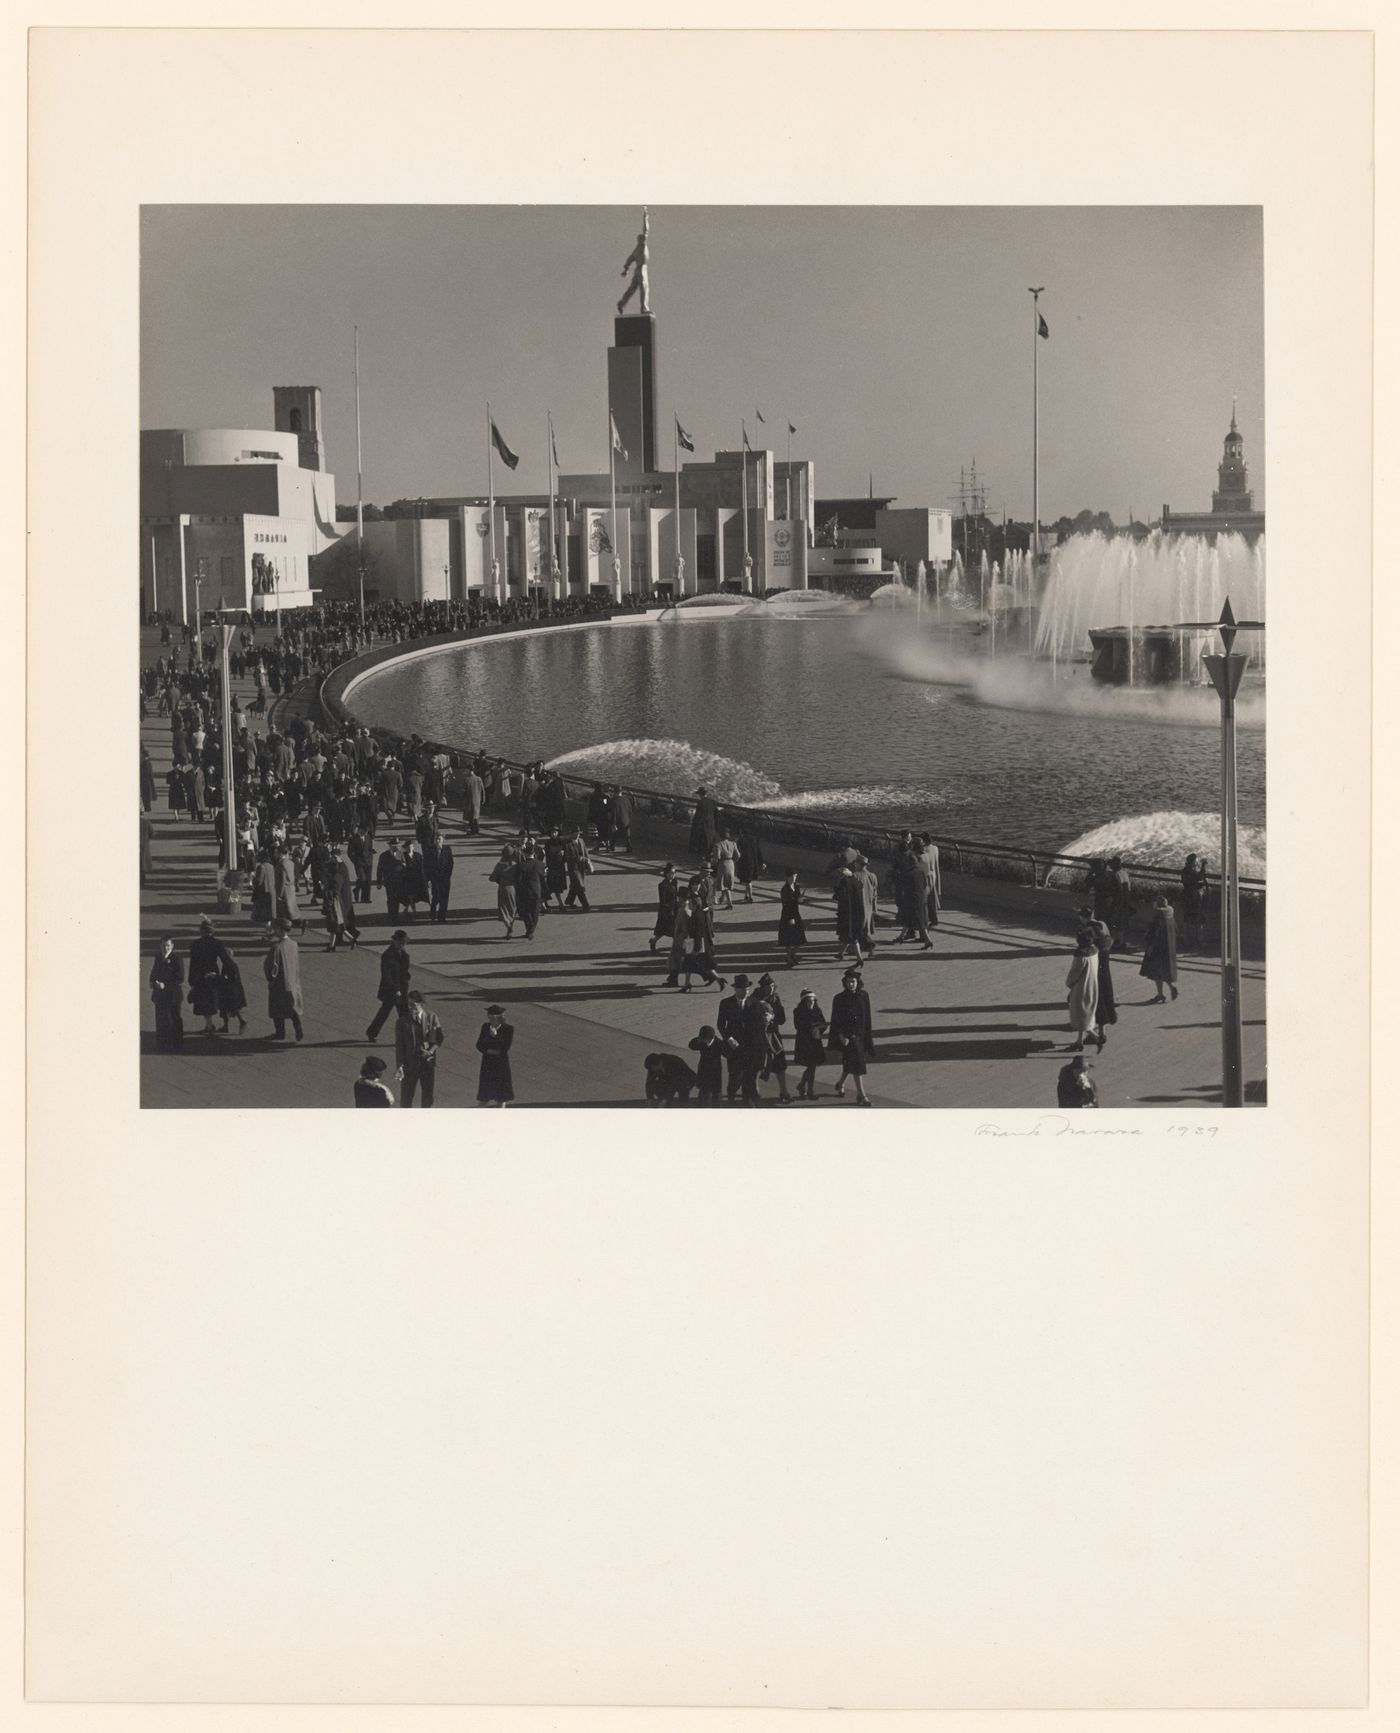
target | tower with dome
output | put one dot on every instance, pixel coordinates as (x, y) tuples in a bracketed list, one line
[(1232, 502)]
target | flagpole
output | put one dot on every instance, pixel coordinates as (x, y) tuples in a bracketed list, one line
[(787, 505), (359, 488), (549, 466), (616, 585), (490, 510), (563, 551), (744, 501), (1035, 427), (676, 472)]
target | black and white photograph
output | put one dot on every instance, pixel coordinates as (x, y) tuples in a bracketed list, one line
[(798, 564), (574, 691)]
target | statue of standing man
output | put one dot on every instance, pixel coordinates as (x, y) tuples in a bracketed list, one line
[(637, 261)]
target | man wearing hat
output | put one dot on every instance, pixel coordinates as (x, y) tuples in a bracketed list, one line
[(282, 971), (731, 1024), (370, 1088), (1075, 1087), (417, 1037), (393, 981)]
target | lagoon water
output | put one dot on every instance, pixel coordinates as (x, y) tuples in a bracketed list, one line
[(867, 718)]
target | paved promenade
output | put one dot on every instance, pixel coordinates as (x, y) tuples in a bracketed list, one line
[(978, 1022)]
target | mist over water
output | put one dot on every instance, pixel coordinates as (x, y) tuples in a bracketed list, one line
[(1165, 838)]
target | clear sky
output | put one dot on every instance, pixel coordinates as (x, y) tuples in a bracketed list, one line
[(898, 339)]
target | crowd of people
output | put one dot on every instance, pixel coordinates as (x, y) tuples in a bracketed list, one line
[(309, 804)]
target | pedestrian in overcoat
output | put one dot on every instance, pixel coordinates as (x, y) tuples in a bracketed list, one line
[(167, 980), (668, 900), (395, 972), (792, 932), (282, 972), (1083, 984), (851, 1033), (495, 1087), (704, 824), (505, 875), (1159, 953), (205, 968), (809, 1041)]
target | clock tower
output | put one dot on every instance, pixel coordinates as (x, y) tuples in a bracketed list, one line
[(1233, 494)]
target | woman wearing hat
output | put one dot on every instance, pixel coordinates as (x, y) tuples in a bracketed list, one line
[(792, 934), (1083, 984), (1195, 881), (205, 963), (370, 1088), (1159, 953), (850, 1034), (809, 1044), (495, 1087), (726, 864)]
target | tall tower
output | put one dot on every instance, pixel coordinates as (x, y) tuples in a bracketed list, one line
[(1233, 493), (632, 390), (632, 363), (297, 409)]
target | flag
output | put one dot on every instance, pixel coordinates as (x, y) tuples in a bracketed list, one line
[(759, 414), (687, 443), (747, 446), (791, 428), (1044, 330), (503, 451), (553, 448), (617, 444)]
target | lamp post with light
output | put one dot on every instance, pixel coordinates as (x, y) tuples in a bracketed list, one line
[(1226, 671)]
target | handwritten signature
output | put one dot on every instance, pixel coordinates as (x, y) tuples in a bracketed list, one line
[(1058, 1125)]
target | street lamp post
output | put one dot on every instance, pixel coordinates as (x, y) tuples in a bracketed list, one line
[(1225, 673), (230, 894)]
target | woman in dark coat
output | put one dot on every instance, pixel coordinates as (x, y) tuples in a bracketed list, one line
[(809, 1046), (556, 868), (167, 992), (850, 912), (704, 825), (175, 789), (264, 889), (232, 999), (750, 863), (1159, 954), (415, 879), (1194, 880), (850, 1034), (205, 967), (792, 933), (495, 1087), (668, 900)]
